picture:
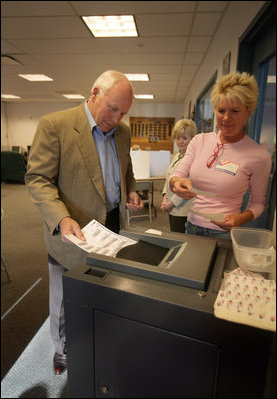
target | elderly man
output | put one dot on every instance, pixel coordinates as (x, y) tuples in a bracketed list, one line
[(80, 169)]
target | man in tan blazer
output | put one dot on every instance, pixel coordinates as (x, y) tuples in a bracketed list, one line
[(80, 169)]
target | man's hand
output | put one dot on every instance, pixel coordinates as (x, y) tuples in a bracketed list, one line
[(70, 226), (134, 202), (166, 204)]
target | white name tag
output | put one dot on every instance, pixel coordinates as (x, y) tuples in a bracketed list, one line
[(227, 166)]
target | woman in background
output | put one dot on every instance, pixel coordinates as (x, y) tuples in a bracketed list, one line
[(225, 163), (183, 131)]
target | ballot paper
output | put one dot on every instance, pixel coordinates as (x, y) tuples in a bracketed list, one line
[(100, 240), (217, 217), (203, 193), (153, 231)]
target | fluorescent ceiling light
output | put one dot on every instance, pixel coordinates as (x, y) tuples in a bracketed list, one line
[(144, 96), (35, 78), (111, 25), (137, 76), (73, 96), (9, 96)]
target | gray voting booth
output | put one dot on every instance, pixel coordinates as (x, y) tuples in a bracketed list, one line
[(142, 324)]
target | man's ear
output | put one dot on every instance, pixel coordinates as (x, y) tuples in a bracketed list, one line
[(94, 93)]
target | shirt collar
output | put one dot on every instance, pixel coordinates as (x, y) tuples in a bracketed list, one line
[(91, 121)]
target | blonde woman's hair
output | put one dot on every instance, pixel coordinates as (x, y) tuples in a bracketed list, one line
[(184, 126), (235, 85), (108, 79)]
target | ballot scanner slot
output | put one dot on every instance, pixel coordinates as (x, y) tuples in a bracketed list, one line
[(188, 263), (144, 252)]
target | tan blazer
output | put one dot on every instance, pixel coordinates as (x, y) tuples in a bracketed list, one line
[(64, 177)]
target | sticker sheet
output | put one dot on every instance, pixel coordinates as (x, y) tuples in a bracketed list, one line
[(247, 299)]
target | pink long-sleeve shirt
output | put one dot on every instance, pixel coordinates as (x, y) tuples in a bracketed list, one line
[(239, 166)]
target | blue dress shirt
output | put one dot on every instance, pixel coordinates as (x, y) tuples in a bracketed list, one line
[(106, 148)]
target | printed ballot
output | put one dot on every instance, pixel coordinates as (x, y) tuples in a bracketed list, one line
[(100, 240)]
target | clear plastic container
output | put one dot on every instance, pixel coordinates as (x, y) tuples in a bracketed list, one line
[(254, 249)]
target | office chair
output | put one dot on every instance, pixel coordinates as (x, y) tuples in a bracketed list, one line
[(3, 263), (13, 167), (146, 187)]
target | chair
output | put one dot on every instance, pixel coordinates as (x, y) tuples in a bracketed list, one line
[(146, 188), (3, 263), (13, 167)]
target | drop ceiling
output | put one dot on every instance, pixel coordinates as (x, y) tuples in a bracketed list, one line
[(50, 37)]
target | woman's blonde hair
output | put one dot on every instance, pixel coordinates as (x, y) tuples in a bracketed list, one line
[(184, 126), (235, 85)]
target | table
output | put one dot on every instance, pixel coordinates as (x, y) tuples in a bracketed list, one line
[(152, 179)]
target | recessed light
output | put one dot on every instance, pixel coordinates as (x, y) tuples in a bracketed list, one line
[(9, 96), (144, 96), (73, 96), (137, 76), (35, 77), (111, 25)]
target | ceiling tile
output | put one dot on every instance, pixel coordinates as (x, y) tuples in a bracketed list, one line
[(143, 44), (126, 7), (205, 24), (57, 46), (42, 28), (164, 25), (35, 8), (211, 5), (198, 43), (50, 37)]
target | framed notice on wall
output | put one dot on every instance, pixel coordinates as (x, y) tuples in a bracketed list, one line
[(226, 63)]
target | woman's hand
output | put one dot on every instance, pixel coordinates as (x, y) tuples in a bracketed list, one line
[(182, 187), (235, 220)]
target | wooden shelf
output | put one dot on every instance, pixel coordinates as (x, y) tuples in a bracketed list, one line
[(152, 133)]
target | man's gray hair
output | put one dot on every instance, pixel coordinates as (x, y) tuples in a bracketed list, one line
[(108, 79)]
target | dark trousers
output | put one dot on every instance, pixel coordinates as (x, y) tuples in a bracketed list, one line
[(56, 307), (112, 220), (177, 223)]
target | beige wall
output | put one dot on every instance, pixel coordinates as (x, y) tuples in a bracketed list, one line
[(238, 16), (19, 119)]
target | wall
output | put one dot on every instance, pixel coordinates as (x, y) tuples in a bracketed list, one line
[(19, 120), (238, 16)]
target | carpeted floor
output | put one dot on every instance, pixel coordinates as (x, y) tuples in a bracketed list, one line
[(24, 300), (26, 347), (32, 375)]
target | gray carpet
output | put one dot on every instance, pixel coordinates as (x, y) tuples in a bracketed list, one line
[(26, 345), (32, 375)]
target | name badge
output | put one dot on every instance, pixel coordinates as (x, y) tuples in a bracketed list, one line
[(227, 166)]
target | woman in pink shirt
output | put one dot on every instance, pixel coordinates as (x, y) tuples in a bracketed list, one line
[(224, 164)]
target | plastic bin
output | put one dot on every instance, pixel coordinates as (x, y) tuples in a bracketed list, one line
[(253, 249)]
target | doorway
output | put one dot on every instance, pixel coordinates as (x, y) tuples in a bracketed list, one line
[(257, 56)]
